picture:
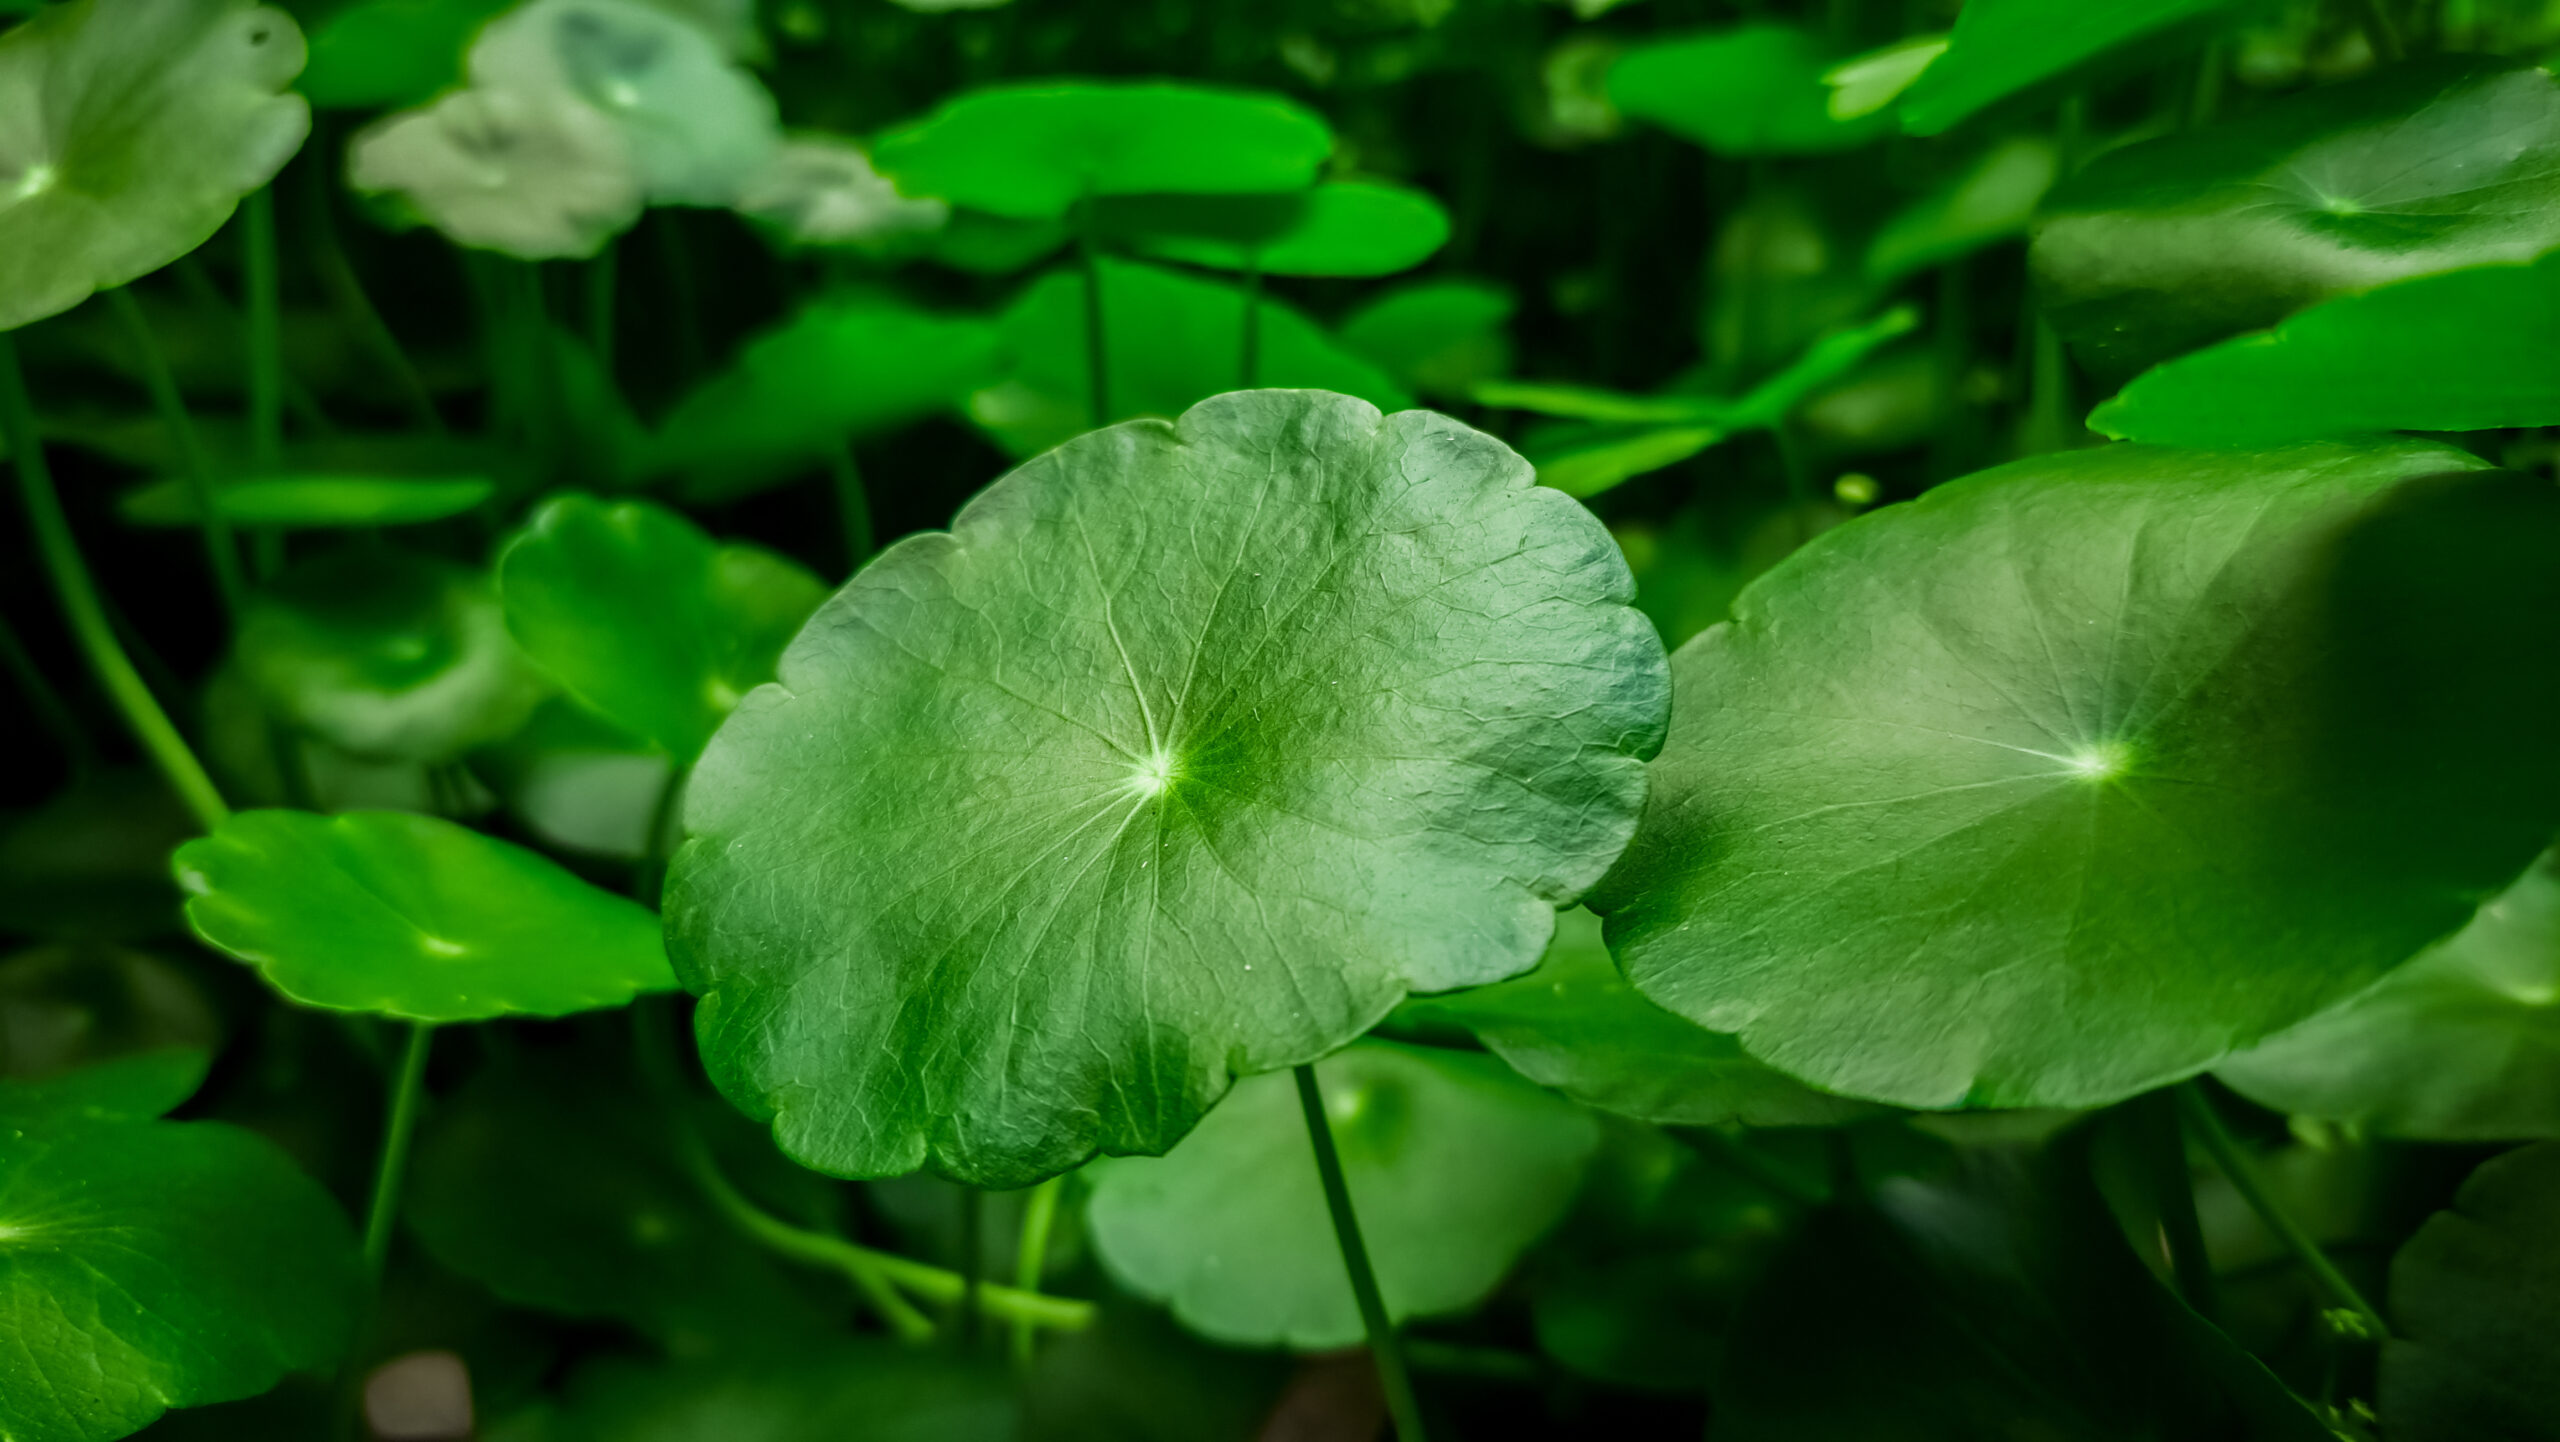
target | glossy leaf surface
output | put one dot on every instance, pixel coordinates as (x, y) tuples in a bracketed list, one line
[(2156, 249), (413, 916), (2461, 1044), (1136, 745), (311, 502), (2475, 1296), (2000, 49), (1455, 1166), (1173, 341), (1035, 150), (2072, 776), (648, 621), (129, 129), (1574, 1024), (1342, 228), (146, 1264), (1753, 90), (2465, 351)]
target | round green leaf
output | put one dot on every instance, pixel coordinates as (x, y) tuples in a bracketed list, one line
[(146, 1265), (2460, 1045), (129, 129), (69, 1006), (641, 616), (388, 655), (1174, 340), (1990, 200), (2156, 249), (1342, 228), (1751, 90), (1454, 1165), (377, 54), (2474, 1298), (2466, 351), (1574, 1024), (311, 502), (140, 1087), (1436, 337), (1187, 752), (2071, 777), (823, 190), (1034, 150), (535, 175), (413, 916), (2002, 49)]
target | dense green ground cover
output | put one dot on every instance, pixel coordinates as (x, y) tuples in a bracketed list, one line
[(828, 719)]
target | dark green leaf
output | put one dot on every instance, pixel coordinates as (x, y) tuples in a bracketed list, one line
[(92, 863), (1455, 1167), (2005, 48), (2466, 351), (2462, 1044), (645, 619), (1574, 1024), (2159, 248), (2475, 1301), (1342, 228), (2071, 777), (816, 1392), (65, 1007), (1436, 337), (311, 502), (1752, 90), (1035, 149), (1134, 746), (138, 1088), (133, 128), (413, 916), (1988, 201), (382, 54)]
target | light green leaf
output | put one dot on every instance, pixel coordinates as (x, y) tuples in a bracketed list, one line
[(1174, 340), (2466, 351), (2002, 49), (823, 190), (1574, 1024), (841, 367), (1035, 149), (378, 54), (1989, 201), (2159, 248), (538, 176), (1583, 461), (1341, 228), (2460, 1045), (129, 129), (311, 502), (697, 125), (1590, 403), (387, 654), (1864, 84), (1753, 90), (644, 618), (2071, 777), (146, 1265), (1435, 337), (1455, 1167), (2475, 1296), (984, 244), (412, 916), (1135, 747)]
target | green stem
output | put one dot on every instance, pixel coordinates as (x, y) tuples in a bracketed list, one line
[(220, 550), (853, 506), (399, 1124), (1402, 1405), (86, 611), (876, 1271), (347, 293), (266, 341), (2152, 1122), (2380, 33), (1096, 351), (1249, 369), (1039, 1219), (2196, 1110)]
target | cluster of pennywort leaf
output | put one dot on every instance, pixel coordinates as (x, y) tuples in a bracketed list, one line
[(1257, 878)]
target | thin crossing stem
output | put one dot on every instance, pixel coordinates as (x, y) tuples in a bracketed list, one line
[(2196, 1110), (1396, 1381), (221, 551), (400, 1123)]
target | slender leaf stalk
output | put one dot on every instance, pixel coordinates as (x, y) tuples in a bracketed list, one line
[(853, 506), (1402, 1405), (400, 1123), (2380, 33), (1039, 1219), (2152, 1123), (86, 611), (221, 551), (266, 336), (47, 702), (1097, 351), (1249, 366), (2205, 1124), (354, 306)]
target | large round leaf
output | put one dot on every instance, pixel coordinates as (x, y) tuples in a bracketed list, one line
[(1035, 150), (412, 916), (388, 655), (129, 129), (641, 616), (2475, 1296), (1576, 1025), (1172, 341), (2159, 248), (2462, 1044), (148, 1264), (1455, 1167), (1188, 752), (1351, 227), (1753, 90), (2466, 351), (2002, 49), (2068, 778)]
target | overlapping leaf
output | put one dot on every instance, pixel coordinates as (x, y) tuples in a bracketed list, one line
[(1752, 90)]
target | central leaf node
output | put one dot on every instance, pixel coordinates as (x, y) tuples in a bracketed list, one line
[(1154, 773), (2100, 760)]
